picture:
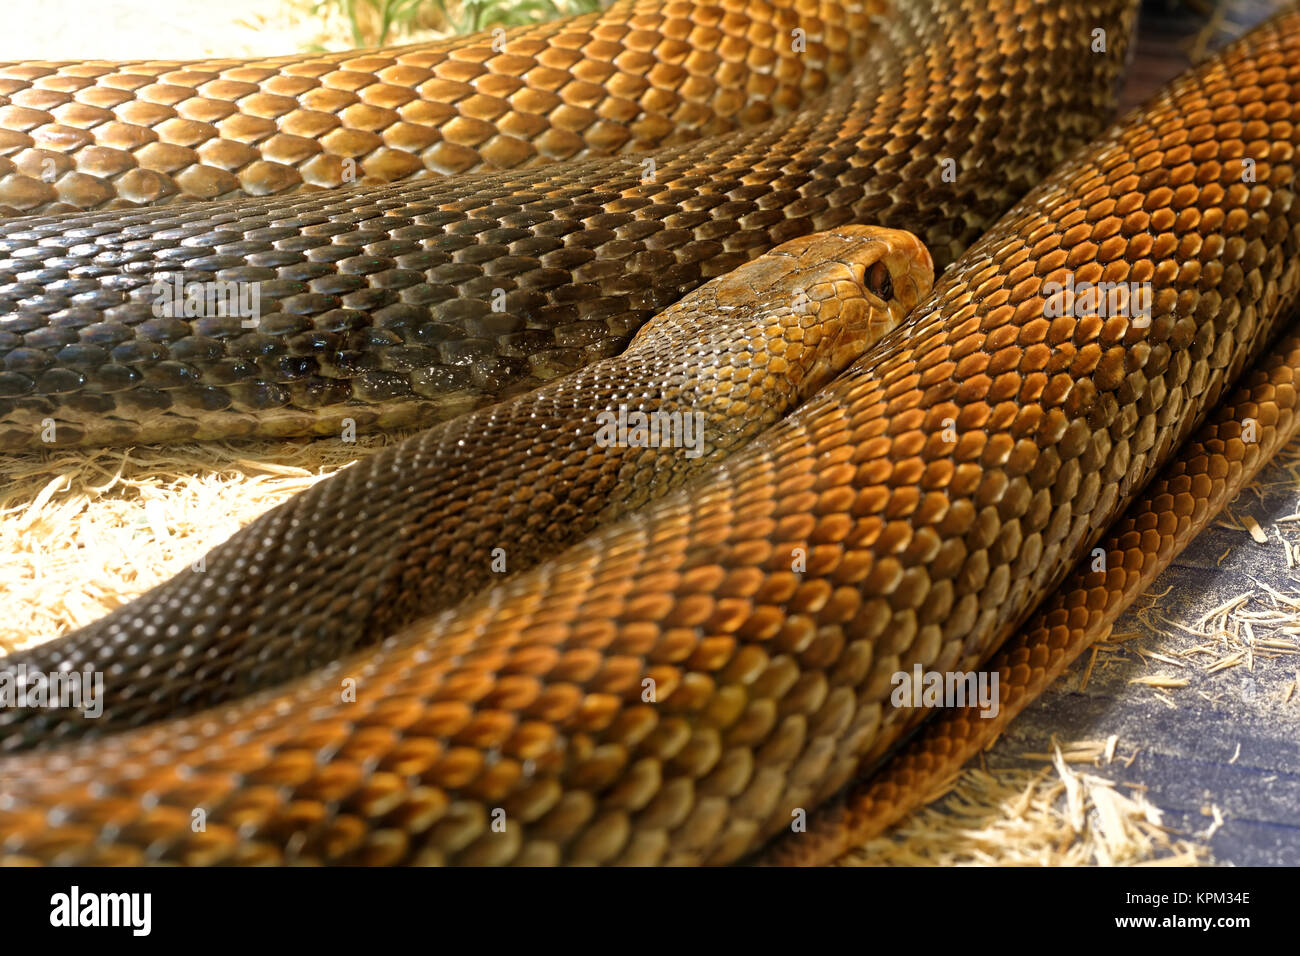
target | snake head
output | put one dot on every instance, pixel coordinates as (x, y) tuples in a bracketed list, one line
[(801, 313), (847, 288)]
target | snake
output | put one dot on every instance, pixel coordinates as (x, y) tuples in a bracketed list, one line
[(406, 305), (673, 687), (534, 473)]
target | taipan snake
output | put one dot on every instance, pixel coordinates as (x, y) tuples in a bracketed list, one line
[(673, 686)]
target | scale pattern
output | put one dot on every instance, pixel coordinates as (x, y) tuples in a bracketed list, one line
[(677, 686), (1245, 431), (457, 507), (642, 74), (406, 305)]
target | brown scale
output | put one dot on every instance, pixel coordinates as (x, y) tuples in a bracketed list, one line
[(771, 600), (642, 74), (1185, 497), (528, 476), (409, 304)]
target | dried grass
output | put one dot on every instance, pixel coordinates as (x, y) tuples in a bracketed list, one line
[(1052, 816), (82, 532)]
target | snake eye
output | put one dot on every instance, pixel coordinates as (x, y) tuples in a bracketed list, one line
[(879, 282)]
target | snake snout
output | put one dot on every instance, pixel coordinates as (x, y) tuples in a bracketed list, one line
[(868, 279)]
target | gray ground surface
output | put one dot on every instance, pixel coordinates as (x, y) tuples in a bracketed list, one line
[(1230, 738)]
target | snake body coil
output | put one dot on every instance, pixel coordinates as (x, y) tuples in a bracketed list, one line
[(447, 513), (640, 75), (412, 303), (675, 687)]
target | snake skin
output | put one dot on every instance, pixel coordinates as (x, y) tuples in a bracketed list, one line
[(409, 304), (445, 513), (1220, 460), (642, 74), (683, 683)]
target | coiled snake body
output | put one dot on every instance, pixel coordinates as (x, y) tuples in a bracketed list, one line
[(673, 687)]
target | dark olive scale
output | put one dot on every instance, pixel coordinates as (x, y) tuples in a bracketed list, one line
[(380, 385), (440, 378), (257, 346), (14, 384), (584, 251), (335, 285), (143, 399), (365, 265), (55, 280), (45, 304), (290, 368), (354, 362), (166, 330), (217, 327), (179, 256), (340, 320), (80, 354), (287, 322), (138, 353), (20, 290), (92, 403), (314, 342), (58, 381), (317, 392), (259, 396), (28, 360), (305, 303), (367, 300), (466, 351), (110, 377), (92, 270), (397, 279), (170, 375), (229, 371)]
